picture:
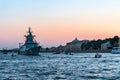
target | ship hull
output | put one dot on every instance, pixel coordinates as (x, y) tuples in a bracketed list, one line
[(116, 50), (30, 52)]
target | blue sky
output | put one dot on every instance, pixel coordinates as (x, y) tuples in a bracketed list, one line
[(62, 16)]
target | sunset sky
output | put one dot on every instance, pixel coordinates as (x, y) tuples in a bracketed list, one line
[(56, 22)]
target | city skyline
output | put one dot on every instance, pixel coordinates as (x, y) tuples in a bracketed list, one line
[(56, 22)]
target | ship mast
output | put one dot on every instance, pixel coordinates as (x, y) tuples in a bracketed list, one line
[(29, 37)]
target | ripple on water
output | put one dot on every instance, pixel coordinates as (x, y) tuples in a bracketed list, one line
[(60, 67)]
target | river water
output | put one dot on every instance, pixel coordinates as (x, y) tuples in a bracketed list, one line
[(48, 66)]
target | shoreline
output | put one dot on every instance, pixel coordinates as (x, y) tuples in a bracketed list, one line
[(88, 51)]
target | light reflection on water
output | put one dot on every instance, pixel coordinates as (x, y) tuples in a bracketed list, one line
[(50, 66)]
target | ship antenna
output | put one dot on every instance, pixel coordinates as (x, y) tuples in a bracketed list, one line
[(29, 30)]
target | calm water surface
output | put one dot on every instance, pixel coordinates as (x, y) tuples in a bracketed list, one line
[(50, 66)]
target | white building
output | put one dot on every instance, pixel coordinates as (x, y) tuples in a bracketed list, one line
[(105, 46)]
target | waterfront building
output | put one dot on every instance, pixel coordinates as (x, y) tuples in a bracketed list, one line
[(105, 45), (75, 45)]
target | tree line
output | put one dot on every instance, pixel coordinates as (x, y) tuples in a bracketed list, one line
[(96, 44)]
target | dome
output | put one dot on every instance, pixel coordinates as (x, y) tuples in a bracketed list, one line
[(75, 40)]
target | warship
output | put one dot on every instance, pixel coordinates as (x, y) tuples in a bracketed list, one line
[(30, 47)]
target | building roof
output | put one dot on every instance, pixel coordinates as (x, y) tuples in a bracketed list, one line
[(106, 43), (75, 40)]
